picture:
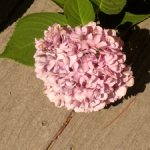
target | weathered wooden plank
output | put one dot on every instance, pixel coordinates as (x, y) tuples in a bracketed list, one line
[(131, 131), (27, 119)]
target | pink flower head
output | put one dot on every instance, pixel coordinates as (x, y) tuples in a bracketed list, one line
[(82, 68)]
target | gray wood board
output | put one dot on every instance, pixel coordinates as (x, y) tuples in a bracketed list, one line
[(24, 109)]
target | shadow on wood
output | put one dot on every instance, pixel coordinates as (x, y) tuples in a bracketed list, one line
[(137, 50), (9, 8)]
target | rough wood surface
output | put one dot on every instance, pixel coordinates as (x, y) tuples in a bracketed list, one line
[(28, 121)]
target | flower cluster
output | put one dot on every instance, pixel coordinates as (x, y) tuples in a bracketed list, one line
[(83, 67)]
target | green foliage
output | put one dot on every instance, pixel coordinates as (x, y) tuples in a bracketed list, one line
[(134, 12), (79, 12), (110, 6), (60, 3), (115, 14), (112, 14), (130, 20), (21, 46)]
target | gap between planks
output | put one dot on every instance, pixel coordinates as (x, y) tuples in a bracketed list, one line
[(61, 130)]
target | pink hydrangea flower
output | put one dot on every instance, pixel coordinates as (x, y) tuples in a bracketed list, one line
[(82, 68)]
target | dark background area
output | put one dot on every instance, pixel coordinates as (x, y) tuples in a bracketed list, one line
[(137, 50), (10, 7)]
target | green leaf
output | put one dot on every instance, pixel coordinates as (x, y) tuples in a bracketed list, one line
[(21, 46), (110, 6), (134, 12), (121, 21), (79, 12), (60, 3)]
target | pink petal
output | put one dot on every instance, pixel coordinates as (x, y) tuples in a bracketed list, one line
[(86, 104), (39, 65), (76, 77), (45, 32), (61, 81), (69, 106), (89, 94), (96, 93), (111, 97), (130, 82), (77, 30), (94, 103), (51, 96), (84, 30), (103, 96), (81, 80), (60, 56), (67, 98), (114, 64), (75, 66), (85, 67), (57, 103), (49, 28), (116, 69), (66, 60), (128, 73), (42, 59), (56, 88), (97, 39), (99, 107), (92, 50), (90, 64), (80, 54), (101, 44), (63, 45), (78, 109), (121, 91), (90, 36), (84, 45), (62, 71), (110, 39), (108, 57), (90, 42), (92, 24), (79, 96), (74, 36), (51, 65), (73, 59), (68, 83), (68, 49), (99, 30)]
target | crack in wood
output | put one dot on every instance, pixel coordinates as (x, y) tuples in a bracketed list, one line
[(61, 130), (124, 109)]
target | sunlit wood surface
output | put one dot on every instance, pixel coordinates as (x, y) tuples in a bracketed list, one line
[(28, 121)]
